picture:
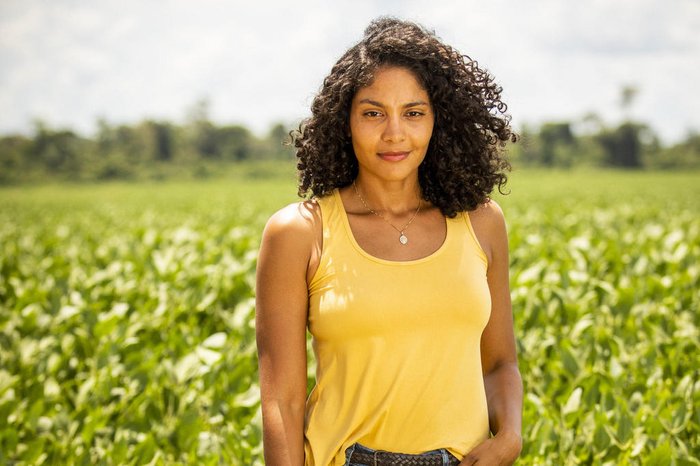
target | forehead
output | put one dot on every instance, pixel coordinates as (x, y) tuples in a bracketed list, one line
[(393, 81)]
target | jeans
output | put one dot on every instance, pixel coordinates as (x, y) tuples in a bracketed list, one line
[(447, 458)]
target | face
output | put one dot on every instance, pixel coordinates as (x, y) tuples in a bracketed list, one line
[(391, 122)]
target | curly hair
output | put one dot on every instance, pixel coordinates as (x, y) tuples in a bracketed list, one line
[(464, 161)]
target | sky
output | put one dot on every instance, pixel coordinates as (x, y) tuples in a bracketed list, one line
[(69, 63)]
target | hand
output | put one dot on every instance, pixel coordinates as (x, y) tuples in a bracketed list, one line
[(501, 450)]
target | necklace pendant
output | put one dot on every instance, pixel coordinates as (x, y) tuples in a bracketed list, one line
[(403, 239)]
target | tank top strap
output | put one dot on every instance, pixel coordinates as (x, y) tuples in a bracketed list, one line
[(470, 234), (334, 241), (332, 217)]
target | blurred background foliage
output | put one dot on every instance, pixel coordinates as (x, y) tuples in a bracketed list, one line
[(147, 150), (201, 148)]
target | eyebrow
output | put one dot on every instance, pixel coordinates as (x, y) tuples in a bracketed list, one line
[(379, 104)]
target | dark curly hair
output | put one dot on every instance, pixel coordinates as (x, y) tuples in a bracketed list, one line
[(464, 161)]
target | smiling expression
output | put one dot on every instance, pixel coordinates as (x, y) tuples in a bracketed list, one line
[(391, 122)]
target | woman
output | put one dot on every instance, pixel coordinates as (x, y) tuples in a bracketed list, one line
[(398, 266)]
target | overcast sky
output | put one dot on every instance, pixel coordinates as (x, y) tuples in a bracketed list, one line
[(70, 62)]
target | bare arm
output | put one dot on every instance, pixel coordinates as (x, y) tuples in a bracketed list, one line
[(281, 313), (504, 389)]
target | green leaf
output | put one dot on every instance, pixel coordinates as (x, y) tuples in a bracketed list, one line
[(661, 456), (573, 402), (624, 427), (207, 356), (35, 449), (188, 429), (216, 341), (187, 367), (571, 365), (248, 399), (601, 439)]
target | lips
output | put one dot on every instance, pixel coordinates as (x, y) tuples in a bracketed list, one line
[(393, 156)]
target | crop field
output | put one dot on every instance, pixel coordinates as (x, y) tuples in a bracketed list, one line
[(127, 334)]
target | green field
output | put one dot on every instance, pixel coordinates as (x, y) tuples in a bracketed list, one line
[(126, 312)]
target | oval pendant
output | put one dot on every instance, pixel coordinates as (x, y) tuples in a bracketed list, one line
[(403, 239)]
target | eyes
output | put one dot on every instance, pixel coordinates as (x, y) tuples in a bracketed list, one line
[(373, 114)]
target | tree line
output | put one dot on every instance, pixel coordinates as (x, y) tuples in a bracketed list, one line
[(589, 141), (158, 149), (630, 145), (148, 149)]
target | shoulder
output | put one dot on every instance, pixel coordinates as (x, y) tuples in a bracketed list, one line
[(295, 221), (488, 216), (489, 224), (290, 241)]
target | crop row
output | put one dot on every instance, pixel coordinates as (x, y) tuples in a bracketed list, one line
[(127, 329)]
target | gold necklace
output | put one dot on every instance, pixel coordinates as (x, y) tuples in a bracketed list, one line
[(403, 239)]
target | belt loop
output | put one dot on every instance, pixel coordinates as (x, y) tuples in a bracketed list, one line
[(445, 458), (348, 454), (374, 458)]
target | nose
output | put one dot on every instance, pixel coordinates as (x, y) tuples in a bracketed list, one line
[(394, 130)]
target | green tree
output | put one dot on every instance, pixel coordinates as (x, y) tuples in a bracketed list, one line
[(683, 155), (526, 150), (557, 142), (59, 152), (161, 140), (13, 157), (201, 132), (622, 146), (233, 143), (276, 143)]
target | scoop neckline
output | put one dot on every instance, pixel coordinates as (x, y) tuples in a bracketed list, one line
[(358, 248)]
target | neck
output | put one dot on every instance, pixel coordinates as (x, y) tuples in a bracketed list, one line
[(397, 197)]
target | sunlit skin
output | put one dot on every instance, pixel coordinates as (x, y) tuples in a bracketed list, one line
[(391, 122)]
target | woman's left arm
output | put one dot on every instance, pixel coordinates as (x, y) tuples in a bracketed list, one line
[(504, 389)]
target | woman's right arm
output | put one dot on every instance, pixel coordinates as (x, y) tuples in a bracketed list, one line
[(280, 316)]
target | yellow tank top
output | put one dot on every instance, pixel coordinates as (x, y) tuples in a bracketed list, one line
[(397, 345)]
